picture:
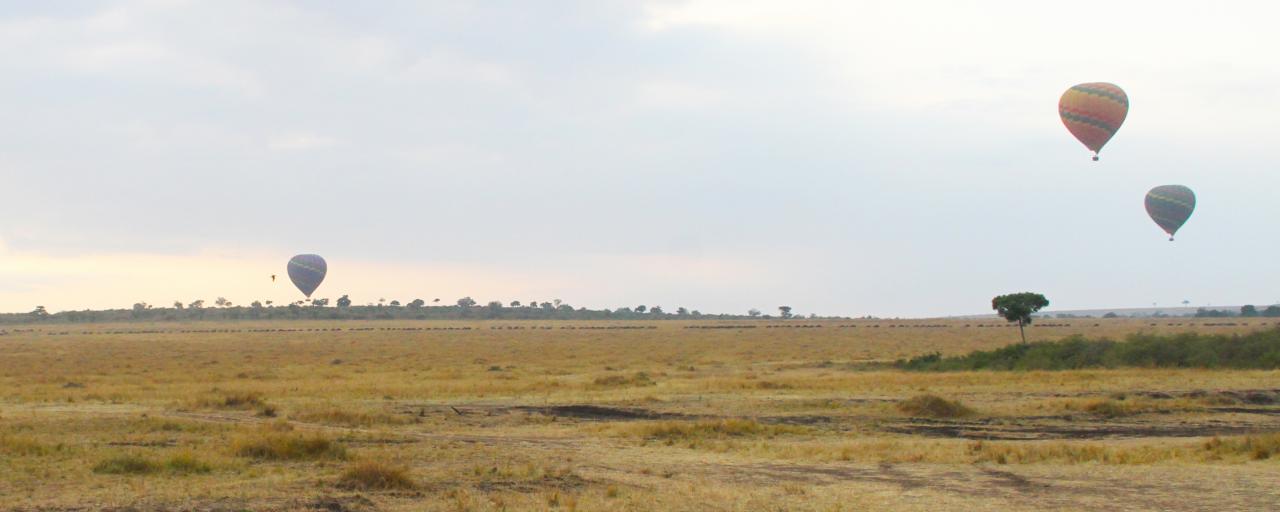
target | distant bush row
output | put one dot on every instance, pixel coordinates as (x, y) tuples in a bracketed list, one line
[(320, 309), (1257, 350)]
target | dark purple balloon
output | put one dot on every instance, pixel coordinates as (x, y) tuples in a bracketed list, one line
[(307, 272)]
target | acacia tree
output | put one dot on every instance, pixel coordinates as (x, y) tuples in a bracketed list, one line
[(1018, 307)]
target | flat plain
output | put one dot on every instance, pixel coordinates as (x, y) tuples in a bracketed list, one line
[(597, 415)]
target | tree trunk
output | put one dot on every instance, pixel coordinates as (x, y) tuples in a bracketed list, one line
[(1022, 332)]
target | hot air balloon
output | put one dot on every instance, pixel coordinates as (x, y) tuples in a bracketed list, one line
[(1170, 206), (307, 271), (1093, 112)]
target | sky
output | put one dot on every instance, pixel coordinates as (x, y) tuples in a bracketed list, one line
[(889, 158)]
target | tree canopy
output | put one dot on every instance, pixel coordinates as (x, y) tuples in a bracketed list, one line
[(1018, 307)]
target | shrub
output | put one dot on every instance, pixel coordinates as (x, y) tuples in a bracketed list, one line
[(933, 406), (288, 446), (1256, 350), (371, 475)]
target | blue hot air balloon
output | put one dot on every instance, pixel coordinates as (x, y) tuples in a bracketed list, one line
[(307, 271)]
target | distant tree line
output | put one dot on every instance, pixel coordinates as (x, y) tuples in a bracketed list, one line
[(343, 308), (1246, 311)]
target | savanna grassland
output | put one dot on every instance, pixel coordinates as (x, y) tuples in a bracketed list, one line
[(595, 415)]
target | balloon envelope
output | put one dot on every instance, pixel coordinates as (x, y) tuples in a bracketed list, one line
[(1093, 112), (307, 271), (1170, 206)]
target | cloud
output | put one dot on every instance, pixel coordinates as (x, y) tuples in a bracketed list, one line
[(939, 56), (443, 64), (300, 142), (677, 94), (119, 45), (843, 157)]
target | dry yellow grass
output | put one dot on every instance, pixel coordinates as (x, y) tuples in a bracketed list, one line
[(538, 416)]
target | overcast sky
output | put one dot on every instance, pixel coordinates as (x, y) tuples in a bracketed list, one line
[(843, 157)]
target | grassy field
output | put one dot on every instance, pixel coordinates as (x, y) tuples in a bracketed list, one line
[(672, 415)]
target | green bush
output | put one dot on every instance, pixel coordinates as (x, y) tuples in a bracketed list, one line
[(1257, 350)]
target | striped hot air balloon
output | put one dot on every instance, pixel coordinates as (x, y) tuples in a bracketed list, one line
[(1093, 112), (1170, 206), (307, 271)]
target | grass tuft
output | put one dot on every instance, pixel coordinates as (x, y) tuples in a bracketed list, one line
[(376, 476)]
